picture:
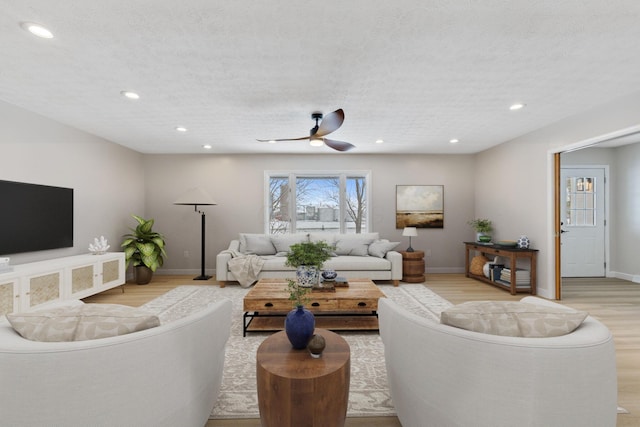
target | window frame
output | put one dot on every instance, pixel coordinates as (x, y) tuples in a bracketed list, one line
[(292, 176)]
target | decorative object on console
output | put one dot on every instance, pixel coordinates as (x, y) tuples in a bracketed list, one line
[(410, 232), (482, 227), (308, 258), (420, 206), (145, 248), (195, 197), (99, 246), (5, 267), (329, 275), (316, 345), (523, 242)]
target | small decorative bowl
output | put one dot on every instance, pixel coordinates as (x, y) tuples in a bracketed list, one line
[(329, 275), (484, 239)]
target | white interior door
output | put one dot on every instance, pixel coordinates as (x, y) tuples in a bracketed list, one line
[(583, 222)]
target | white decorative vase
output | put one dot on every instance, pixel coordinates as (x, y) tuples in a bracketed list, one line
[(307, 275), (523, 242)]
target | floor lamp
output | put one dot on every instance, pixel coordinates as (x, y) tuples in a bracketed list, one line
[(195, 197)]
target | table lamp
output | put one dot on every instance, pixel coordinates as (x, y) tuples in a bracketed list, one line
[(195, 197), (411, 232)]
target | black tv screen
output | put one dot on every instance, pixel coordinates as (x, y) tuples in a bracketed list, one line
[(34, 217)]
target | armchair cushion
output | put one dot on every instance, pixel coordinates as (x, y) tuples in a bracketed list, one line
[(513, 318), (82, 322)]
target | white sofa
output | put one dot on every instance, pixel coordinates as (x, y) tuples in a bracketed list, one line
[(169, 375), (358, 255), (445, 376)]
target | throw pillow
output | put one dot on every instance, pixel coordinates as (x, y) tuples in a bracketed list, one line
[(283, 241), (513, 318), (258, 244), (353, 244), (380, 248), (80, 323)]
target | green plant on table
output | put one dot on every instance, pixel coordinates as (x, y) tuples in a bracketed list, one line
[(297, 293), (309, 253), (481, 225)]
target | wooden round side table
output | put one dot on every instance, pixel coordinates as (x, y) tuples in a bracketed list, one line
[(295, 389), (412, 266)]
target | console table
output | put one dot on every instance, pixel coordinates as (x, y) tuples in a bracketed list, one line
[(512, 254), (296, 390)]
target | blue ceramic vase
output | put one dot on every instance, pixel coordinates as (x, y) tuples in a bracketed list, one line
[(299, 326)]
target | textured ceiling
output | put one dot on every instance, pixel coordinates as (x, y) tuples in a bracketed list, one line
[(414, 73)]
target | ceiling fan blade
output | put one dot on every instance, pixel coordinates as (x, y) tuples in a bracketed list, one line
[(330, 123), (284, 139), (338, 145)]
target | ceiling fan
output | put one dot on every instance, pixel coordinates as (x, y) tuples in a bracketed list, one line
[(330, 123)]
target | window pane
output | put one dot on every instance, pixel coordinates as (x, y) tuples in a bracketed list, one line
[(356, 205), (317, 204), (581, 201), (279, 221)]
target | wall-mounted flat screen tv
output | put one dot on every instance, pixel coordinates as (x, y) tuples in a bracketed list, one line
[(34, 217)]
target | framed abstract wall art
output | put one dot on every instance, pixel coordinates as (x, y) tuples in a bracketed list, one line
[(420, 206)]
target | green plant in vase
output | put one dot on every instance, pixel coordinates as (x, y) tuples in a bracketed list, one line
[(297, 293), (145, 249), (308, 258), (482, 227)]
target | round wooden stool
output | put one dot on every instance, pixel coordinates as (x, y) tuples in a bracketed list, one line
[(412, 266), (295, 389)]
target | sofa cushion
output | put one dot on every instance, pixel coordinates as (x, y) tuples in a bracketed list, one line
[(379, 248), (353, 244), (80, 323), (513, 318), (339, 263), (282, 242), (257, 244)]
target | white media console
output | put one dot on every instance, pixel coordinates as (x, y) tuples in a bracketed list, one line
[(37, 283)]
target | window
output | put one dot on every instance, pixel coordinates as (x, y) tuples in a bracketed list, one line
[(581, 201), (317, 202)]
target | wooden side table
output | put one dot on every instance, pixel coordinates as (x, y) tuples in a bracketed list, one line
[(295, 389), (412, 266)]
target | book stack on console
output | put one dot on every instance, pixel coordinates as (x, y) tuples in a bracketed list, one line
[(523, 277), (4, 266)]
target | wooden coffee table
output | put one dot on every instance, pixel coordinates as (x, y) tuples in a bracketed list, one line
[(352, 308), (296, 390)]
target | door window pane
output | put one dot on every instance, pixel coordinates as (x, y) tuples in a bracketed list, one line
[(580, 202)]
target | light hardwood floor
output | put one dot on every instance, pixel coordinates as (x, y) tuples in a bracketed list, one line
[(614, 302)]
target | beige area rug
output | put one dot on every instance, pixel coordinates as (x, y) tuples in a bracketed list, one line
[(368, 393)]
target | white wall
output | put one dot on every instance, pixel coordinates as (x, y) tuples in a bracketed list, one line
[(236, 182), (521, 171), (107, 178), (627, 217)]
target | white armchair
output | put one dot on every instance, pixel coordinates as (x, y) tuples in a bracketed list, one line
[(445, 376)]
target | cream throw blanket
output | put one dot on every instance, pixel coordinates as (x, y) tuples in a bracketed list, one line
[(245, 268)]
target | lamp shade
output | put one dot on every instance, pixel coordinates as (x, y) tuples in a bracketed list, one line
[(195, 196), (410, 232)]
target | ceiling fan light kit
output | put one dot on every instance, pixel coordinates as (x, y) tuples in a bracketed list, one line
[(330, 123)]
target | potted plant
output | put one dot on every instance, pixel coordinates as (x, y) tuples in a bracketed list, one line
[(308, 258), (145, 249), (482, 227)]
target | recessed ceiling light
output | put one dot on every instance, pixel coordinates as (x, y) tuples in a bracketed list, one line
[(207, 147), (37, 30), (181, 128), (516, 106), (129, 94), (453, 141), (379, 141)]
